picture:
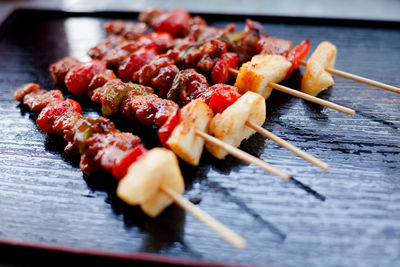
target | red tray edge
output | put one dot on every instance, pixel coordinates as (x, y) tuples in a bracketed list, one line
[(135, 256)]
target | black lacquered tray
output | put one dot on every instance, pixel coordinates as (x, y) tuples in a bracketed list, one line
[(46, 202)]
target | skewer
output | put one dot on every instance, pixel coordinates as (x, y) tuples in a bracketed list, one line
[(230, 236), (304, 96), (298, 152), (138, 173), (358, 78), (176, 145), (292, 148), (244, 156), (288, 146), (311, 98)]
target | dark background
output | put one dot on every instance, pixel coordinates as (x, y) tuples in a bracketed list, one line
[(44, 198)]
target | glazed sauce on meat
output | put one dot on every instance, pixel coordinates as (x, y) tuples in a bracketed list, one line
[(97, 140)]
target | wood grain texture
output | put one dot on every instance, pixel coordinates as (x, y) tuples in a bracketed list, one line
[(45, 198)]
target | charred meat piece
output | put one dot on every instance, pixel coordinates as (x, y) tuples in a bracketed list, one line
[(101, 79), (202, 57), (147, 109), (164, 79), (149, 14), (201, 32), (273, 46), (107, 149), (128, 30), (189, 85), (30, 88), (159, 73), (59, 69), (112, 50), (245, 42), (179, 44), (37, 98)]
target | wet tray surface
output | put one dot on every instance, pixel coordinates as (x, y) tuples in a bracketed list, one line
[(45, 198)]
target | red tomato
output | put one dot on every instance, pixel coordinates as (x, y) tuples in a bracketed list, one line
[(220, 71), (119, 170), (296, 54), (223, 98), (54, 110), (165, 131), (78, 78), (137, 59), (172, 21)]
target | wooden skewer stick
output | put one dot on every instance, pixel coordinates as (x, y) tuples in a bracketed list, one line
[(233, 72), (288, 146), (244, 156), (233, 238), (305, 96), (357, 78), (311, 98)]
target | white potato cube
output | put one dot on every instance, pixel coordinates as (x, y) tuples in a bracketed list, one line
[(256, 74), (230, 125), (145, 176), (315, 78), (173, 180), (183, 140)]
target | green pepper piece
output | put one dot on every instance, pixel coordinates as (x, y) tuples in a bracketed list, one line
[(233, 37), (184, 53), (176, 87), (82, 133), (112, 98), (86, 135), (116, 93)]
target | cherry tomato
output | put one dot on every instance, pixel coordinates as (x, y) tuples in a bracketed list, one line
[(78, 78), (119, 170), (223, 98), (54, 110), (220, 71), (172, 22), (296, 54), (134, 62), (165, 131)]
